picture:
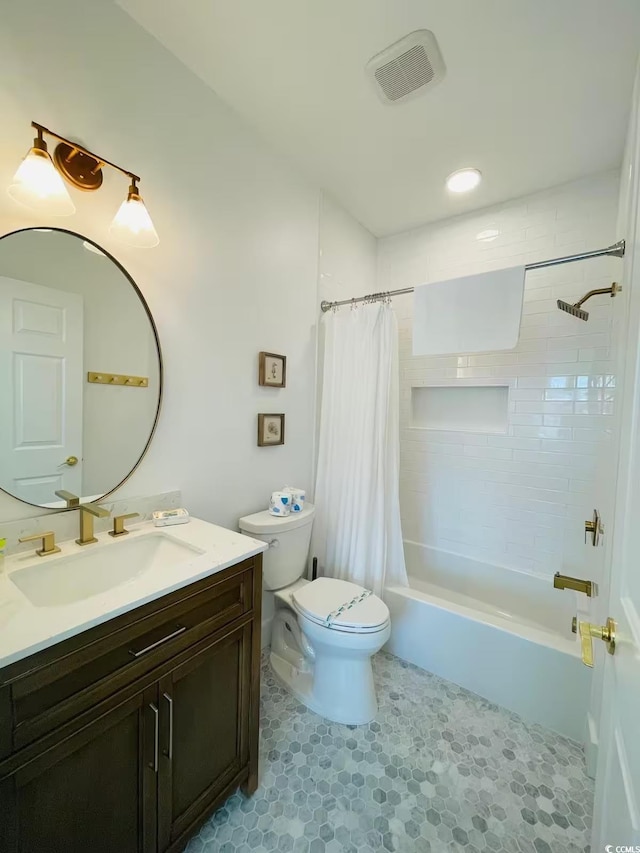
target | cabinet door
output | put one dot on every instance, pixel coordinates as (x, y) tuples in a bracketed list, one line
[(94, 791), (204, 704)]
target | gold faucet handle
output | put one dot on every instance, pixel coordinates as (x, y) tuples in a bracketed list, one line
[(68, 497), (118, 523), (95, 510), (594, 529), (48, 543)]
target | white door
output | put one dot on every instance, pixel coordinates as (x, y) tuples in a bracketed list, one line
[(617, 803), (41, 381)]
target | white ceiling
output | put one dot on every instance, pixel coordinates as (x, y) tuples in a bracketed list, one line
[(537, 92)]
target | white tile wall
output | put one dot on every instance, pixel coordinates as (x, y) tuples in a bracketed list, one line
[(518, 499)]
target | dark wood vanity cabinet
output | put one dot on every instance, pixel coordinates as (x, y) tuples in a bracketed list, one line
[(125, 738)]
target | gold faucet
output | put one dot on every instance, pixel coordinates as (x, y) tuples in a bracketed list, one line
[(87, 514), (578, 584), (68, 497)]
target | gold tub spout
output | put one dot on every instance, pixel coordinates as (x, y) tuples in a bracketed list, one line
[(578, 584)]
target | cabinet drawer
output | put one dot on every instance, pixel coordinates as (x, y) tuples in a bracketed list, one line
[(53, 686)]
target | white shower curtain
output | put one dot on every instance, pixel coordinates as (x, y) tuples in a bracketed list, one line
[(357, 533)]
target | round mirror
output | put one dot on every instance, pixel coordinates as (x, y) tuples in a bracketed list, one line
[(80, 369)]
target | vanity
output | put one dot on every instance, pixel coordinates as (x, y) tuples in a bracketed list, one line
[(130, 663), (138, 712)]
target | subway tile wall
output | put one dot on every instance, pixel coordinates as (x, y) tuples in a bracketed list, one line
[(517, 499)]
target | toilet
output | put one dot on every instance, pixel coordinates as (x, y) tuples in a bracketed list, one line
[(324, 631)]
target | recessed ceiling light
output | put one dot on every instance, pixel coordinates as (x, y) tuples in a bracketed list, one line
[(488, 235), (463, 180)]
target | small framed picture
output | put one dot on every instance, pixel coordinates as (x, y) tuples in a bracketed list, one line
[(273, 370), (270, 430)]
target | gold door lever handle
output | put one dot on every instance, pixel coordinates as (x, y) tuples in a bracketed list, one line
[(70, 461), (587, 631)]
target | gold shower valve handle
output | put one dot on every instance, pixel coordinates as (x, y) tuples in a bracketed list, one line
[(587, 631), (594, 528)]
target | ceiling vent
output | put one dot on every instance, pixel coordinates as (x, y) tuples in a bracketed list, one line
[(411, 65)]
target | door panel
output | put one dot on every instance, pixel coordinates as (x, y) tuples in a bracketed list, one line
[(617, 800), (95, 791), (204, 730), (41, 373)]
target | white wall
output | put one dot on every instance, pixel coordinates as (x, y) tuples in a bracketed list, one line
[(348, 254), (236, 269), (519, 499)]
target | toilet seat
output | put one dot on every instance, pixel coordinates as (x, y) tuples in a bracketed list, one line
[(341, 606)]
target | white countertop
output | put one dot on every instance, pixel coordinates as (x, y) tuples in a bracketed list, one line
[(26, 628)]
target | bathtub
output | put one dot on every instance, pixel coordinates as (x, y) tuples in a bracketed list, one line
[(502, 634)]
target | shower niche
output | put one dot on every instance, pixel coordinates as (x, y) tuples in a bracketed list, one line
[(461, 408)]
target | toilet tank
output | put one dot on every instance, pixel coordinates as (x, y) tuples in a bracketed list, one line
[(288, 538)]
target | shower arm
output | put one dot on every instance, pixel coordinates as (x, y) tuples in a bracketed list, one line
[(615, 288)]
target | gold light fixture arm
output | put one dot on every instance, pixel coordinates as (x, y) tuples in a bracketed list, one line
[(102, 161)]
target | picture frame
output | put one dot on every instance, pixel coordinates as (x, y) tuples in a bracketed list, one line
[(270, 430), (272, 370)]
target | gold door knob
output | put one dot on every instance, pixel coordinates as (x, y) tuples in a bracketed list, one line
[(606, 633), (71, 461)]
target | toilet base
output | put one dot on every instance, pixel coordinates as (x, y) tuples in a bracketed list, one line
[(330, 678), (300, 685)]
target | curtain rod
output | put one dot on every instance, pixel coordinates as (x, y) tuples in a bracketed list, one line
[(617, 250)]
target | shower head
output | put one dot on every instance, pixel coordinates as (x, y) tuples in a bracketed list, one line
[(573, 309), (579, 312)]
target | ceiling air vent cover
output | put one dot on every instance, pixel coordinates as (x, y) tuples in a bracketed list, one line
[(410, 65)]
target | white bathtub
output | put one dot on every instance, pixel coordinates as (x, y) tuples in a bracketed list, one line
[(500, 633)]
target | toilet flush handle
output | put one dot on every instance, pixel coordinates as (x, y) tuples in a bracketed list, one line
[(273, 543)]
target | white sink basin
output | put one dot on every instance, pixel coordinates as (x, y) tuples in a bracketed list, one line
[(65, 580)]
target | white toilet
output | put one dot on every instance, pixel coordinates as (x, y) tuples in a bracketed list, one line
[(324, 631)]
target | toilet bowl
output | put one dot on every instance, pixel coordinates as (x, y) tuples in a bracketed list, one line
[(325, 631)]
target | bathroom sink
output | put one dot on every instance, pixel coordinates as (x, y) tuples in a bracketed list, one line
[(66, 580)]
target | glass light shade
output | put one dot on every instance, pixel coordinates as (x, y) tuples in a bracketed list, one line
[(37, 184), (132, 224)]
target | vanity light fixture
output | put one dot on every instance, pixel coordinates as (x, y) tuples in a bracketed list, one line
[(132, 223), (463, 180), (38, 184)]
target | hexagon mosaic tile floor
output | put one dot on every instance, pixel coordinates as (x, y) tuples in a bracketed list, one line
[(439, 770)]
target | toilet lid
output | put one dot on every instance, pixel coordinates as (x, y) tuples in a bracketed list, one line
[(341, 605)]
